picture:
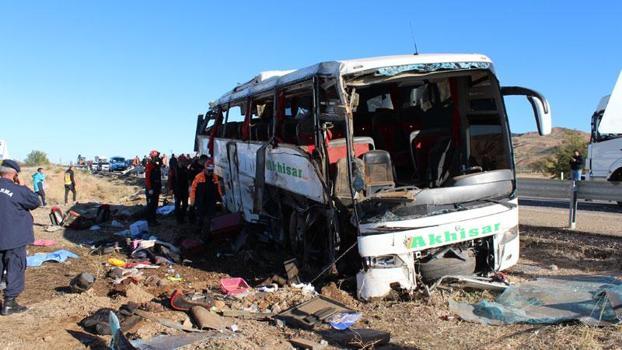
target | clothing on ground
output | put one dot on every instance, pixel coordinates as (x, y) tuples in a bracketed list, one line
[(58, 256)]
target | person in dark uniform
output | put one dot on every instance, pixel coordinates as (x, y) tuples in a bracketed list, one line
[(153, 185), (204, 194), (179, 183), (16, 201)]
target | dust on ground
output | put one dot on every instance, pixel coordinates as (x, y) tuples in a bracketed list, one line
[(420, 323)]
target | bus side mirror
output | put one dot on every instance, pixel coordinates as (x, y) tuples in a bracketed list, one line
[(539, 105)]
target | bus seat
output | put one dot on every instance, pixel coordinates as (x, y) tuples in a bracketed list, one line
[(378, 171), (421, 145), (340, 180), (305, 130), (337, 148)]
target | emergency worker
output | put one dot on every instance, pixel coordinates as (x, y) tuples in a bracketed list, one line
[(179, 182), (204, 194)]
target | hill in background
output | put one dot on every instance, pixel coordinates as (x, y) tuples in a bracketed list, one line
[(530, 147)]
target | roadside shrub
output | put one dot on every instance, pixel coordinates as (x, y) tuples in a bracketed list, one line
[(560, 160), (35, 158)]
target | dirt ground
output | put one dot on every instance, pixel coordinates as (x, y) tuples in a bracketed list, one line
[(421, 323)]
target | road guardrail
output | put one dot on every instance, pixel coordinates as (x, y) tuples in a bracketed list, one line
[(571, 190)]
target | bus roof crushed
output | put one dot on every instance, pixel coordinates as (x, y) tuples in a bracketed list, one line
[(387, 65)]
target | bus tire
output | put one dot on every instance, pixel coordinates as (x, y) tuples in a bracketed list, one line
[(447, 265)]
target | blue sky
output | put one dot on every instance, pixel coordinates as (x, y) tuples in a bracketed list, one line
[(123, 77)]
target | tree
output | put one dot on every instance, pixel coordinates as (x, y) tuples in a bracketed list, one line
[(36, 158), (560, 160)]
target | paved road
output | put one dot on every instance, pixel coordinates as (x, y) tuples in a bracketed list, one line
[(594, 217)]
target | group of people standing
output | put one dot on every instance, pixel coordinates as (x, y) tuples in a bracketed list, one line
[(192, 183), (38, 184)]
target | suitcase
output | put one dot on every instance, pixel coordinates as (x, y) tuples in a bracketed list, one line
[(56, 216)]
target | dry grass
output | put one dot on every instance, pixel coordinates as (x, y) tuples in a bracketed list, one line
[(90, 188)]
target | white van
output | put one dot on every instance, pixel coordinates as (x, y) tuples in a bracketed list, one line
[(407, 158)]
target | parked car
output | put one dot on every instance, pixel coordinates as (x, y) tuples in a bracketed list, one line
[(117, 164)]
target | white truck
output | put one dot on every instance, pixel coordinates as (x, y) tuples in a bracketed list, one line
[(408, 158), (604, 159), (4, 151)]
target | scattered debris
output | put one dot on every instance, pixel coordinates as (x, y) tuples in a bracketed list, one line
[(82, 282), (116, 224), (165, 322), (291, 269), (206, 319), (343, 320), (306, 288), (44, 242), (306, 344), (593, 300), (95, 228), (53, 228), (58, 256), (473, 282), (182, 302), (116, 262), (56, 216), (166, 210), (246, 315), (99, 322), (138, 228), (235, 286), (313, 312), (268, 289), (357, 338)]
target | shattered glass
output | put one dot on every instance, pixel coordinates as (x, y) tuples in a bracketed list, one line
[(430, 67), (593, 300)]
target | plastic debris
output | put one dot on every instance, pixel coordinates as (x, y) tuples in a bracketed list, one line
[(58, 256), (116, 262), (175, 278), (234, 328), (95, 228), (343, 320), (116, 223), (593, 300), (233, 286)]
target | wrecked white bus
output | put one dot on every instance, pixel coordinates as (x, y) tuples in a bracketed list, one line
[(408, 157)]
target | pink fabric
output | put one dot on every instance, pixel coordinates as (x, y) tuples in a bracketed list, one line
[(44, 242)]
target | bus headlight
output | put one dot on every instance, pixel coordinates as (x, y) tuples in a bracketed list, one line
[(382, 262)]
